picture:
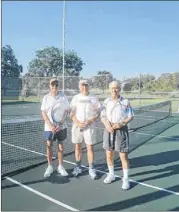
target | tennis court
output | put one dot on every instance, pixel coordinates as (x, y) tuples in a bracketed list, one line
[(154, 170)]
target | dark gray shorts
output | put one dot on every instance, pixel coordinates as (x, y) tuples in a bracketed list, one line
[(121, 140), (59, 136)]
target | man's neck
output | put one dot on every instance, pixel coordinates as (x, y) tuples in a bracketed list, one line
[(85, 94), (115, 98), (54, 93)]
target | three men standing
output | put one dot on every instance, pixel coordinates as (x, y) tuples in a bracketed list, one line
[(85, 109)]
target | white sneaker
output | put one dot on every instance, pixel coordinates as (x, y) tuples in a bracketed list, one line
[(125, 184), (48, 171), (109, 179), (61, 170), (92, 174), (76, 171)]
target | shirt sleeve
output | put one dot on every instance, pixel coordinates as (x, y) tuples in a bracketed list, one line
[(73, 104), (43, 104), (98, 104), (129, 109), (103, 109), (67, 103)]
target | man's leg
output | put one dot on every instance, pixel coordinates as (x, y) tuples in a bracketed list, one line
[(125, 167), (109, 158), (61, 170), (49, 169), (124, 147), (90, 156), (90, 140), (49, 153), (78, 156), (110, 163), (61, 136), (60, 154)]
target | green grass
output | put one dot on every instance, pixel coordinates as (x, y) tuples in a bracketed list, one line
[(134, 103)]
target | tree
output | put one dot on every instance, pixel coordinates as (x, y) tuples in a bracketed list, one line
[(126, 86), (10, 66), (102, 80), (49, 63)]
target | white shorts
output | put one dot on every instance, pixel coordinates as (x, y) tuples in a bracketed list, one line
[(88, 135)]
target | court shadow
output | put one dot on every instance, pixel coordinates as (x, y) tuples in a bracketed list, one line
[(162, 173), (55, 178), (171, 138), (175, 209), (136, 201), (155, 159)]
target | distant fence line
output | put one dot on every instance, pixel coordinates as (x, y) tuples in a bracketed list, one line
[(13, 88)]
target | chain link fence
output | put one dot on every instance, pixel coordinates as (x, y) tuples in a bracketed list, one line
[(139, 91)]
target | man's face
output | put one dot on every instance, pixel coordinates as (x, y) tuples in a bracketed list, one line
[(84, 88), (54, 86), (114, 90)]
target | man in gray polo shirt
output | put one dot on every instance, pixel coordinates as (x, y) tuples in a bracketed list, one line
[(111, 120), (48, 101)]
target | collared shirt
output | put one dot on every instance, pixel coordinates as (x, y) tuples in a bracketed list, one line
[(85, 107), (47, 105), (118, 111)]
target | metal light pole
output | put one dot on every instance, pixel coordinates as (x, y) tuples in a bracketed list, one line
[(139, 89), (63, 42)]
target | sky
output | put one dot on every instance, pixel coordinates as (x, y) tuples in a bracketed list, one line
[(125, 38)]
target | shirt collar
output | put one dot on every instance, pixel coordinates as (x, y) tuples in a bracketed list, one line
[(119, 99), (60, 94)]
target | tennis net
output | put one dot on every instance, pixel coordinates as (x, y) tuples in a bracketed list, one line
[(22, 139)]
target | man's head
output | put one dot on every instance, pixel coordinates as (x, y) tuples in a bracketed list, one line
[(54, 85), (84, 87), (114, 88)]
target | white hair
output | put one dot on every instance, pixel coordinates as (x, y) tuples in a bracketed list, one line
[(114, 82)]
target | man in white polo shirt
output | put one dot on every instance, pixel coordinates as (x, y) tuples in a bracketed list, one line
[(48, 101), (83, 128), (116, 114)]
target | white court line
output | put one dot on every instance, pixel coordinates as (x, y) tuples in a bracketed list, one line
[(137, 182), (160, 136), (42, 195)]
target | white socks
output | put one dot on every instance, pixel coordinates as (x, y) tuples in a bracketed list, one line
[(111, 170), (125, 173)]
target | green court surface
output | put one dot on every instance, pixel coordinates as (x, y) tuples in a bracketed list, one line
[(154, 178)]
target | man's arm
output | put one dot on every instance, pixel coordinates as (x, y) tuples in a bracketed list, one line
[(45, 117), (72, 113), (104, 119)]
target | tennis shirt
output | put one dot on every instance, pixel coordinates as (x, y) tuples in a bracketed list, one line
[(109, 104), (48, 103), (78, 109)]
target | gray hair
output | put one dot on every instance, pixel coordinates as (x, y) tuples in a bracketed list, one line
[(114, 82)]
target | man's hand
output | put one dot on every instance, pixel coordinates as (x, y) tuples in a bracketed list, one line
[(52, 127), (81, 124), (117, 126), (89, 121), (109, 127)]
